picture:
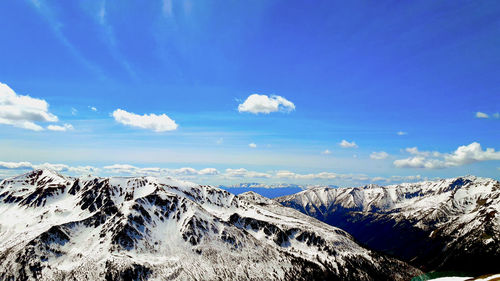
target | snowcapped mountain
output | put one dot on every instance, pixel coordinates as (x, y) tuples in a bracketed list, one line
[(54, 227), (449, 224)]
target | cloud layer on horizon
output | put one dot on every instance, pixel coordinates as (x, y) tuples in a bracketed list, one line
[(188, 173)]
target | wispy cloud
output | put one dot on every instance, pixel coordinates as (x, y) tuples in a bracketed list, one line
[(401, 133), (57, 27), (167, 8), (110, 39), (252, 145), (326, 152)]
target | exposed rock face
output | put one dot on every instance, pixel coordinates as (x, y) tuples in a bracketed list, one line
[(54, 227), (451, 224)]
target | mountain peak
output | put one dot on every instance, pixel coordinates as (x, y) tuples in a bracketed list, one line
[(39, 175), (371, 186), (256, 198)]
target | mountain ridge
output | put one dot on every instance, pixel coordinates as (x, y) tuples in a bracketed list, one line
[(447, 224), (54, 227)]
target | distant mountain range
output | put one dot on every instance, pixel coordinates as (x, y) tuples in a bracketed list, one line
[(262, 185), (276, 185), (268, 190), (450, 224), (54, 227)]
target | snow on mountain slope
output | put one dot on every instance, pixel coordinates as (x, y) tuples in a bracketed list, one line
[(449, 224), (54, 227)]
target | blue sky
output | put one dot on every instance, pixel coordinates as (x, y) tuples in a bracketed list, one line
[(186, 75)]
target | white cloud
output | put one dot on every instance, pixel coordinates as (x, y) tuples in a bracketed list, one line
[(193, 172), (157, 123), (244, 173), (398, 179), (185, 172), (93, 108), (26, 125), (74, 111), (346, 144), (465, 154), (15, 165), (414, 162), (326, 152), (292, 175), (471, 153), (480, 114), (321, 176), (379, 155), (256, 104), (63, 128), (125, 167), (208, 171), (252, 145), (55, 167), (415, 151), (79, 170), (412, 150), (23, 111), (401, 133)]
